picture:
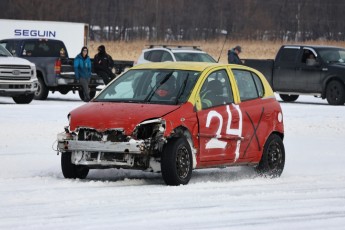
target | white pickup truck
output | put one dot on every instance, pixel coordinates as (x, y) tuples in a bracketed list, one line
[(17, 77)]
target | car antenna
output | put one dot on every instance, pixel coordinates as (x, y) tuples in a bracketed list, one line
[(226, 38)]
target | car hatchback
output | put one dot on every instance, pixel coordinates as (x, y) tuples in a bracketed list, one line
[(176, 117)]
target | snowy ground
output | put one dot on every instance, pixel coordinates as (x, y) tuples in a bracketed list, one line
[(34, 195)]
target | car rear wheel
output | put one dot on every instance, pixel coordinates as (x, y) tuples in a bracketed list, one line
[(273, 157), (177, 162), (335, 93), (70, 170), (288, 97), (23, 99)]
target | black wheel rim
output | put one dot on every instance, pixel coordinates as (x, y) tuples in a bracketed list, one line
[(182, 162), (334, 93), (275, 156)]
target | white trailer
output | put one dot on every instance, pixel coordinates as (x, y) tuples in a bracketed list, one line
[(74, 35)]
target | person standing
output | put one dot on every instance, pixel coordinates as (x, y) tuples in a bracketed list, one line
[(103, 64), (233, 57), (82, 69)]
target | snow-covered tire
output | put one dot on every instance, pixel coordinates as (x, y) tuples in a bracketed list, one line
[(42, 90), (288, 97), (23, 99), (273, 157), (177, 162), (70, 170), (335, 93)]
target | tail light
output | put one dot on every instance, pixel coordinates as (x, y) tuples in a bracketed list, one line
[(57, 66)]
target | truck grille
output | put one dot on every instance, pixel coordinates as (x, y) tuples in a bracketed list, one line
[(15, 78), (15, 72), (14, 67)]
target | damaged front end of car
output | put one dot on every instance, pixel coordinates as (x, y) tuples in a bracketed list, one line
[(112, 148)]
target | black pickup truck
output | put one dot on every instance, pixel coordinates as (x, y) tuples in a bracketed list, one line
[(54, 68), (306, 70)]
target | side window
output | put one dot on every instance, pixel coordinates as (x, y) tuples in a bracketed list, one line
[(43, 48), (216, 90), (249, 85), (288, 57), (166, 56), (156, 56)]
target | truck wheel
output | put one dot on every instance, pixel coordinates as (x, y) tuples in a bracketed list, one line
[(64, 91), (177, 162), (81, 94), (23, 99), (288, 97), (335, 93), (273, 157), (70, 170), (42, 90)]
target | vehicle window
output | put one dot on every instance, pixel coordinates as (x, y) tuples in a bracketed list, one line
[(151, 86), (216, 90), (332, 55), (10, 46), (4, 52), (288, 57), (195, 57), (249, 85), (156, 56), (166, 56), (43, 48)]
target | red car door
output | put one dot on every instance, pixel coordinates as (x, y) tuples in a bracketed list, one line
[(256, 113), (220, 121)]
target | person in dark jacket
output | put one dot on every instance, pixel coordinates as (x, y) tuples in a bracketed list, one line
[(82, 69), (233, 57), (103, 64)]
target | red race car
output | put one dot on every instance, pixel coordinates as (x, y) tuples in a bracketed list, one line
[(176, 117)]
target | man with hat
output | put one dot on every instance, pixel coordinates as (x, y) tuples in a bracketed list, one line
[(233, 55)]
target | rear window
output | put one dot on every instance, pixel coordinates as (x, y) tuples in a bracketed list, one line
[(43, 48), (194, 57)]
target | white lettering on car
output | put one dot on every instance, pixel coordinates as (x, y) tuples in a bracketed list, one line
[(215, 142)]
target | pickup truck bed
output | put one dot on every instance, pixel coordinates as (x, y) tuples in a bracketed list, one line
[(54, 67)]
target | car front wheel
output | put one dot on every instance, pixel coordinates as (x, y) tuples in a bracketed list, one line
[(177, 162), (70, 170), (273, 157)]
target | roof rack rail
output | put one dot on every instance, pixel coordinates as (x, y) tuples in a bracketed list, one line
[(174, 46)]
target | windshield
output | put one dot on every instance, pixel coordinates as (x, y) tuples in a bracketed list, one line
[(4, 52), (151, 86), (332, 55), (195, 57)]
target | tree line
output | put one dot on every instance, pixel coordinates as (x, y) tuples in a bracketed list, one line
[(171, 20)]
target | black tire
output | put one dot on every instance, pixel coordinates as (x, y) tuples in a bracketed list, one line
[(64, 91), (288, 97), (23, 99), (273, 157), (81, 94), (177, 162), (70, 170), (335, 93), (42, 90)]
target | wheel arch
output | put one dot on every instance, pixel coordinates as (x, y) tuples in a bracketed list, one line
[(182, 131)]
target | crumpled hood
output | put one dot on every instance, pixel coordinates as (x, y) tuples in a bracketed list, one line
[(16, 60), (110, 115)]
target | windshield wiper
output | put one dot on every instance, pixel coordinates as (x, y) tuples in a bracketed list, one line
[(152, 92), (181, 90)]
